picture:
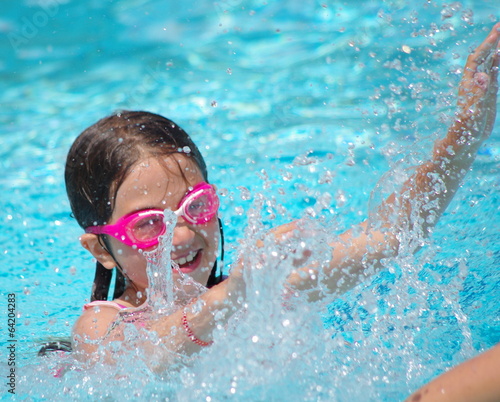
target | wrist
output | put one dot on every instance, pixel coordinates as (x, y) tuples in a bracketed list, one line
[(189, 332)]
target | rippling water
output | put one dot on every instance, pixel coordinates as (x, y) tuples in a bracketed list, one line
[(307, 104)]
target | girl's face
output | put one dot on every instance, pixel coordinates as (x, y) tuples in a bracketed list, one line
[(154, 184)]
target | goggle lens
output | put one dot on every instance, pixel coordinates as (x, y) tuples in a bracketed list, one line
[(147, 228), (199, 207)]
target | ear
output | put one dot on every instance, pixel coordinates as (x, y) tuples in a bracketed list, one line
[(90, 242)]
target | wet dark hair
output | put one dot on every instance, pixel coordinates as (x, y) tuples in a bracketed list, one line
[(100, 160)]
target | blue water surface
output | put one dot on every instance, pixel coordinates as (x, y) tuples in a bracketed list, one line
[(305, 103)]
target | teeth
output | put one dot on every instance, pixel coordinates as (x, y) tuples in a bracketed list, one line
[(183, 260)]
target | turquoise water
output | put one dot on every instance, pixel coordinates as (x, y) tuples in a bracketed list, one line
[(305, 103)]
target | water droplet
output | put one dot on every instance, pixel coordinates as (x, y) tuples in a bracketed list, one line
[(287, 176), (326, 178), (468, 16), (245, 193), (340, 198)]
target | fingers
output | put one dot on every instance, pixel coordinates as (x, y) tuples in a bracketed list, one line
[(478, 90), (484, 52), (494, 66), (492, 93), (482, 82), (493, 77), (481, 71)]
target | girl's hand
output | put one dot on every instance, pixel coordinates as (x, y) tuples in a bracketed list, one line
[(479, 86), (477, 103)]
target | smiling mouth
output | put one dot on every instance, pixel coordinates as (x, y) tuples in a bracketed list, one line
[(186, 260)]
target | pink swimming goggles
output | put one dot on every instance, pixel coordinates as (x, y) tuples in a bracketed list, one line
[(142, 228)]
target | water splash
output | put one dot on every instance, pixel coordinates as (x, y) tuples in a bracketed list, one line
[(169, 289), (160, 292), (375, 336), (274, 335)]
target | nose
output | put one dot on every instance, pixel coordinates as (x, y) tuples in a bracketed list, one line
[(183, 237)]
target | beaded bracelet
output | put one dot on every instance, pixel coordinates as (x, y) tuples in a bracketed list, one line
[(191, 334)]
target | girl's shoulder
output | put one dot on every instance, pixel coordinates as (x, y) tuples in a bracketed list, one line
[(95, 323)]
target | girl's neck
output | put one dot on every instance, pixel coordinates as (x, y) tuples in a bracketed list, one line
[(133, 296)]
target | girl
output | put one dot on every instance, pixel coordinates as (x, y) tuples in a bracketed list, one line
[(125, 170)]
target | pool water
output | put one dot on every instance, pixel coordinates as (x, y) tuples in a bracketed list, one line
[(301, 105)]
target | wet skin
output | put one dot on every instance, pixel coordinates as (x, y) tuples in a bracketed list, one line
[(152, 184)]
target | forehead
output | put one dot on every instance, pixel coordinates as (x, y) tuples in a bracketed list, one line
[(156, 181)]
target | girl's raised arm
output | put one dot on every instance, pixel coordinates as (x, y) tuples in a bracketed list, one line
[(427, 193)]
